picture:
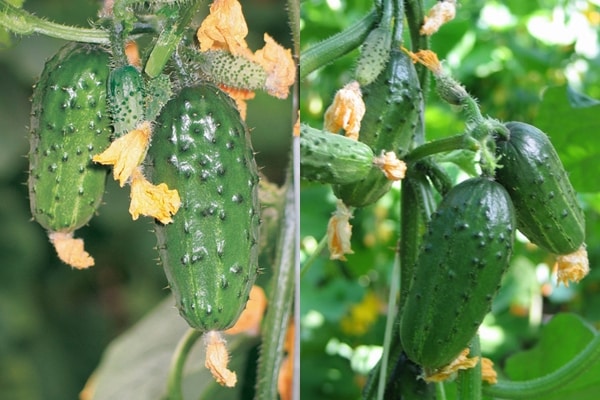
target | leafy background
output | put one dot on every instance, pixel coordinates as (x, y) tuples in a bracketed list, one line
[(533, 61), (55, 323)]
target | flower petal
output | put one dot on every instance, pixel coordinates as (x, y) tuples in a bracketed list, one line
[(224, 28), (279, 65), (461, 362), (346, 111), (154, 201), (339, 232), (572, 267), (70, 250), (217, 359)]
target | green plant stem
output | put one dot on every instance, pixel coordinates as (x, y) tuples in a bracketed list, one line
[(280, 304), (22, 22), (415, 15), (314, 256), (336, 46), (182, 351), (469, 381), (552, 382), (440, 391), (456, 142), (293, 10)]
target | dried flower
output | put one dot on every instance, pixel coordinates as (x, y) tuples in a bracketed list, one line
[(439, 14), (279, 65), (70, 250), (250, 319), (154, 201), (572, 267), (460, 363), (127, 152), (339, 232), (217, 358), (488, 374), (224, 28), (393, 168), (346, 111)]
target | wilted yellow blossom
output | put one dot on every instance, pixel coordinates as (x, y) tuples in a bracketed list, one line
[(155, 201), (488, 374), (439, 14), (217, 359), (339, 232), (224, 28), (127, 152), (346, 111), (426, 57), (279, 65), (572, 267), (250, 319), (393, 168), (461, 362), (70, 250)]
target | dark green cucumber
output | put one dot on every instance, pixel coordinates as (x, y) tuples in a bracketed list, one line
[(393, 105), (331, 158), (126, 99), (209, 253), (69, 124), (465, 251), (547, 209)]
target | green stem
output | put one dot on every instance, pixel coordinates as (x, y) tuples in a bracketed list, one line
[(552, 382), (415, 15), (293, 9), (456, 142), (22, 22), (336, 46), (314, 256), (280, 305), (175, 377), (440, 391), (469, 381)]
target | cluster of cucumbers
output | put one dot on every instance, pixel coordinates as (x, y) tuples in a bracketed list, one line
[(200, 147)]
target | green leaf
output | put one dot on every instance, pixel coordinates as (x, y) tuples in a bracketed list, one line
[(135, 365), (571, 121), (562, 338)]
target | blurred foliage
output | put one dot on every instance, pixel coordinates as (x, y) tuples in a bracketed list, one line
[(534, 61), (56, 322)]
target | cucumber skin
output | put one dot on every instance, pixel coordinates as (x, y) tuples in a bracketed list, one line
[(69, 124), (393, 106), (209, 253), (465, 251), (126, 99), (547, 209), (331, 158)]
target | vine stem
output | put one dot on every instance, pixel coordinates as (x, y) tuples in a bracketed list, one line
[(551, 382), (314, 256), (22, 22), (337, 45), (182, 351), (456, 142)]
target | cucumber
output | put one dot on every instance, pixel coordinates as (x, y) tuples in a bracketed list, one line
[(126, 99), (547, 209), (69, 123), (393, 106), (209, 252), (331, 158), (465, 251)]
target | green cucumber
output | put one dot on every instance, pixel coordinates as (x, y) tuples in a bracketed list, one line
[(375, 50), (331, 158), (465, 251), (209, 252), (69, 124), (547, 209), (126, 99), (393, 107)]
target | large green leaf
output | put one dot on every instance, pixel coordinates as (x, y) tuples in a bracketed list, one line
[(562, 338), (136, 364), (571, 120)]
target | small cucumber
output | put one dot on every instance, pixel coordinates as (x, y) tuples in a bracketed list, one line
[(393, 107), (547, 209), (126, 98), (331, 158), (202, 148), (69, 123), (465, 251)]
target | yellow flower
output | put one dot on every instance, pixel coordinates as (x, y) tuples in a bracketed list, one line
[(127, 152), (279, 65), (346, 111), (393, 168), (361, 315), (224, 28), (154, 201), (461, 362), (428, 58), (440, 13), (250, 319), (572, 267), (339, 232), (70, 250), (217, 359), (487, 371)]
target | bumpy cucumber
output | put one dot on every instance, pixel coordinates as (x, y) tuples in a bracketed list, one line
[(374, 55), (465, 251), (126, 98), (209, 253), (331, 158), (547, 209), (393, 106), (69, 124)]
